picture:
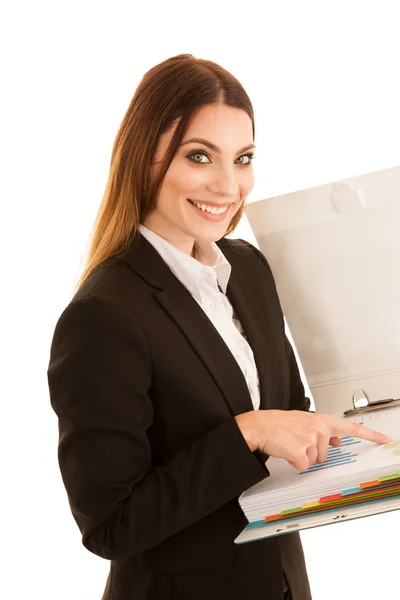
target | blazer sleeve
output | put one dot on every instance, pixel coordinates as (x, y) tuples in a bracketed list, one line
[(99, 376), (298, 400)]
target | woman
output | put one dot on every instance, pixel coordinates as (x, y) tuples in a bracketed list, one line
[(170, 371)]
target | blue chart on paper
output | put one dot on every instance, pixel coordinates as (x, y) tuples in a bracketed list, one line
[(337, 455)]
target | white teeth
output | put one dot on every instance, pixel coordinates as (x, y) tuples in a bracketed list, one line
[(211, 209)]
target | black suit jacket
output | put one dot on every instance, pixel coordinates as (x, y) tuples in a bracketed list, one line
[(152, 459)]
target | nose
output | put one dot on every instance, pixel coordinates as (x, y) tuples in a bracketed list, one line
[(225, 182)]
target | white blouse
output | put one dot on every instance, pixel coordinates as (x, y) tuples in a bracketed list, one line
[(203, 276)]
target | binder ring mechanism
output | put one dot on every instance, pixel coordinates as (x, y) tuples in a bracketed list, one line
[(361, 402), (360, 399)]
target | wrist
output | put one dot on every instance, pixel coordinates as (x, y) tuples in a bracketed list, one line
[(246, 424)]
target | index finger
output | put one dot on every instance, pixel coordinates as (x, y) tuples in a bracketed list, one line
[(344, 427)]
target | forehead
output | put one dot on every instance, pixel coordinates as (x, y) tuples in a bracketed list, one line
[(220, 120), (228, 127)]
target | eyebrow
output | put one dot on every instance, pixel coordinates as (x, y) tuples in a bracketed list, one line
[(213, 146)]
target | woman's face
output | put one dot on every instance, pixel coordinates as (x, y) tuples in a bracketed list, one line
[(215, 172)]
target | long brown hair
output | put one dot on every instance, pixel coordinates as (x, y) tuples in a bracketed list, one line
[(173, 89)]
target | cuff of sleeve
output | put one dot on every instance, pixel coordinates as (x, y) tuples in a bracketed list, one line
[(244, 467)]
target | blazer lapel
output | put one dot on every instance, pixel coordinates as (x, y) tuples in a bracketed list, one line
[(179, 304), (254, 320)]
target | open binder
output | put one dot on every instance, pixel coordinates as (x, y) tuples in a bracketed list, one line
[(334, 251), (358, 479)]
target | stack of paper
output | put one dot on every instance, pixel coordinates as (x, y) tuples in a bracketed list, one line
[(357, 472)]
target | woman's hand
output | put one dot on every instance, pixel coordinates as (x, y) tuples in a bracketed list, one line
[(300, 437)]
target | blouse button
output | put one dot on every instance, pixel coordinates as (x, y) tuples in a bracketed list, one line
[(214, 306), (240, 346)]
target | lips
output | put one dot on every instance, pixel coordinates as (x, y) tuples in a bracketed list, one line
[(210, 216), (225, 208), (210, 204)]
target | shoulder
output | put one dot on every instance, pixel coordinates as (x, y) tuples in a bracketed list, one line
[(245, 252), (253, 266), (99, 300), (104, 280)]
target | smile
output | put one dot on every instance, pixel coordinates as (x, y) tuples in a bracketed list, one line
[(214, 210)]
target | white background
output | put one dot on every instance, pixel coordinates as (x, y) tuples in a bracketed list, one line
[(323, 78)]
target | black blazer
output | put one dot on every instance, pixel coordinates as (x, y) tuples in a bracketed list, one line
[(152, 459)]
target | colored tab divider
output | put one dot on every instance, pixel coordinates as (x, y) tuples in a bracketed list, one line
[(354, 503), (387, 477), (369, 484), (311, 504), (363, 496), (351, 491), (383, 485), (288, 511), (330, 498)]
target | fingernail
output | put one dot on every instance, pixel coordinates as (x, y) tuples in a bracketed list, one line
[(387, 439)]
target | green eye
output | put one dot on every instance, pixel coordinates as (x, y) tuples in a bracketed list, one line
[(191, 156), (198, 153)]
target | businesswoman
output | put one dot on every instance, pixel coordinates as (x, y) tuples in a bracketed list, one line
[(169, 370)]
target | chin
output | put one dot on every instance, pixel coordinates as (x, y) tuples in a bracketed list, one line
[(212, 235)]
